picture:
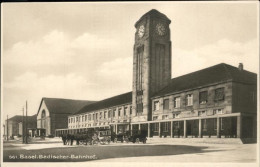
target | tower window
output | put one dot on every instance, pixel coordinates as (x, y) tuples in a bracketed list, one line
[(203, 97), (219, 94), (156, 105), (166, 104), (189, 100), (177, 102)]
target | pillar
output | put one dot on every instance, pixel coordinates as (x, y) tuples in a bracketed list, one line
[(218, 128), (171, 129), (185, 129), (200, 128), (116, 128), (139, 127), (159, 133), (149, 130), (131, 130), (239, 126)]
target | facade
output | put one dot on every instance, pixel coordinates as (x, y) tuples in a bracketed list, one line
[(219, 101), (14, 126), (53, 113)]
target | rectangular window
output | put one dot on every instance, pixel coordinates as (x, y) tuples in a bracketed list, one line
[(93, 117), (156, 105), (131, 110), (156, 127), (100, 115), (217, 111), (155, 118), (109, 113), (203, 97), (86, 117), (105, 113), (165, 117), (83, 118), (89, 117), (114, 112), (69, 120), (96, 116), (177, 102), (125, 108), (202, 113), (119, 112), (166, 104), (140, 108), (166, 127), (189, 100), (219, 94), (175, 116)]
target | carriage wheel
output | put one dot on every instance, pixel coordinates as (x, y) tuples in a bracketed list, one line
[(137, 140), (115, 140)]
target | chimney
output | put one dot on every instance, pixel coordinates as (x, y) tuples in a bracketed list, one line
[(240, 66)]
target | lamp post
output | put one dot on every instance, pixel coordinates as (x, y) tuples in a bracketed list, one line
[(26, 139), (23, 126), (7, 128)]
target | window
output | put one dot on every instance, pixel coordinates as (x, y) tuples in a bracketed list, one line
[(100, 115), (114, 112), (156, 127), (83, 118), (204, 125), (155, 118), (119, 112), (77, 119), (86, 117), (165, 117), (166, 127), (93, 117), (203, 97), (109, 114), (105, 113), (131, 110), (177, 102), (189, 100), (166, 104), (217, 111), (139, 108), (221, 123), (125, 108), (69, 120), (176, 115), (96, 116), (219, 94), (202, 113), (89, 117), (156, 105)]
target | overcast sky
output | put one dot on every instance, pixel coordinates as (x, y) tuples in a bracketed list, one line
[(85, 50)]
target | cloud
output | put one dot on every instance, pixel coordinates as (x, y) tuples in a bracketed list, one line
[(222, 51)]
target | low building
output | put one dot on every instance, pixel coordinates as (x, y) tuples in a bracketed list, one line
[(53, 113)]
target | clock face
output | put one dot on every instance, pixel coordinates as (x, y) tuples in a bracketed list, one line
[(141, 31), (160, 29)]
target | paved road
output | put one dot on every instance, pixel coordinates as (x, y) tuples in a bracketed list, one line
[(56, 152)]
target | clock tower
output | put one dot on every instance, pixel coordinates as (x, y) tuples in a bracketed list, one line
[(152, 62)]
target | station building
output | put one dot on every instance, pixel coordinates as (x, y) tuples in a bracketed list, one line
[(219, 101)]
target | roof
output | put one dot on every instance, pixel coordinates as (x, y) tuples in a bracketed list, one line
[(19, 118), (106, 103), (64, 106), (153, 13), (215, 74)]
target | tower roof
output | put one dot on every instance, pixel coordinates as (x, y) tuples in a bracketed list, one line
[(153, 13)]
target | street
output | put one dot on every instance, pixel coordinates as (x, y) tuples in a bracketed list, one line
[(55, 151)]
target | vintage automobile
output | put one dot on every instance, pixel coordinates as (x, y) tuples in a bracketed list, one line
[(138, 136), (104, 136), (122, 137)]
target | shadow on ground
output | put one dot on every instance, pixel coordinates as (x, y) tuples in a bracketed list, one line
[(89, 153)]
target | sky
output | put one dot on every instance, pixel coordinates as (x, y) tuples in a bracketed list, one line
[(85, 50)]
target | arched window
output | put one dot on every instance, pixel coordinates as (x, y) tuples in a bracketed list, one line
[(43, 116)]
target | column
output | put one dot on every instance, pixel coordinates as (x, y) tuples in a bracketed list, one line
[(116, 128), (139, 127), (159, 129), (171, 129), (200, 128), (149, 130), (185, 129), (131, 130), (238, 126), (218, 128)]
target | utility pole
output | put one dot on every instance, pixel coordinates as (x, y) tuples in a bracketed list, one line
[(26, 139), (7, 128), (23, 126)]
